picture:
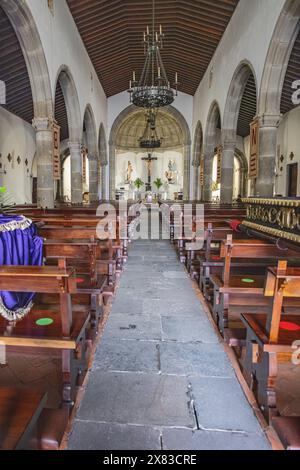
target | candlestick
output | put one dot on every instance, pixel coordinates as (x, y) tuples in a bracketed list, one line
[(160, 29), (133, 76), (158, 72)]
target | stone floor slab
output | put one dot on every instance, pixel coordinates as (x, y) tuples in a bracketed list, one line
[(129, 398), (187, 329), (206, 360), (221, 404), (142, 327), (127, 355), (88, 435), (184, 439)]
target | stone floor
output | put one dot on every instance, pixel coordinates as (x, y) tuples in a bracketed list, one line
[(161, 378)]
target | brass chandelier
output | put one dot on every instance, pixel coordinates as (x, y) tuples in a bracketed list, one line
[(153, 89)]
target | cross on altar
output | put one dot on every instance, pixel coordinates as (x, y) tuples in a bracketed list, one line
[(149, 159)]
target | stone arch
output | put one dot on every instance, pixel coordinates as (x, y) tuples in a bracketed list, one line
[(187, 146), (276, 65), (69, 91), (234, 99), (282, 42), (197, 156), (89, 125), (244, 171), (211, 140), (103, 162), (24, 26), (26, 31)]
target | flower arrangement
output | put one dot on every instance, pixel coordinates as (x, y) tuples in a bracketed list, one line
[(158, 183), (138, 183)]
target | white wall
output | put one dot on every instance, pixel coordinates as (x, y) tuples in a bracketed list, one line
[(159, 168), (247, 37), (17, 138)]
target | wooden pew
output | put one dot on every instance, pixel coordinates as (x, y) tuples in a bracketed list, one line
[(271, 336), (65, 336), (83, 256), (242, 284), (111, 254), (20, 410)]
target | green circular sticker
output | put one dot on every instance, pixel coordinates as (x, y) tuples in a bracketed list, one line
[(248, 281), (44, 321)]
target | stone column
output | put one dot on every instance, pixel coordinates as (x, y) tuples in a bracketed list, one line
[(93, 175), (227, 172), (208, 169), (44, 154), (196, 191), (103, 181), (76, 172), (268, 127)]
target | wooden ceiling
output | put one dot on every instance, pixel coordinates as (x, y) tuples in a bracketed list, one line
[(292, 74), (13, 72), (112, 32)]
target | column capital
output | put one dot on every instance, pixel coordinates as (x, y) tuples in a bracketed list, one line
[(75, 146), (228, 145), (42, 123), (269, 120), (92, 158)]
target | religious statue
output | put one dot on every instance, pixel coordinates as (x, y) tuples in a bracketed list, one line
[(171, 174), (129, 172)]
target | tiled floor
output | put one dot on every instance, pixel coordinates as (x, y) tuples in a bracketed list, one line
[(161, 379)]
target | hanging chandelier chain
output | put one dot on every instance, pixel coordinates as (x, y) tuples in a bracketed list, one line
[(153, 89)]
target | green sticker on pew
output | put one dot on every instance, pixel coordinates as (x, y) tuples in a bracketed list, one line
[(44, 322), (248, 281)]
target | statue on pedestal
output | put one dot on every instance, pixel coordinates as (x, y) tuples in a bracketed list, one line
[(172, 173), (129, 172)]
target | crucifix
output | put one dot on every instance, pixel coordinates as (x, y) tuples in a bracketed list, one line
[(149, 159)]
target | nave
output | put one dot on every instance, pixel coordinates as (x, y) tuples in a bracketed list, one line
[(161, 379)]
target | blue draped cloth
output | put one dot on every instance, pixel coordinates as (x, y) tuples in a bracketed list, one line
[(19, 246)]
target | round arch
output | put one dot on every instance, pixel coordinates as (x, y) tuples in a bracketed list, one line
[(89, 125), (237, 88), (187, 146), (282, 42), (197, 155), (243, 171), (75, 129), (234, 99), (211, 140), (26, 31)]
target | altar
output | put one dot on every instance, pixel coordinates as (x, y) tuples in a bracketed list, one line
[(165, 165)]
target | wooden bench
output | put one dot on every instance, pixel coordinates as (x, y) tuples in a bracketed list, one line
[(242, 283), (271, 336), (64, 331), (20, 410)]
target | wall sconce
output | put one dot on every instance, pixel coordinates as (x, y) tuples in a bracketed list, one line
[(9, 157), (281, 158), (292, 155), (19, 160)]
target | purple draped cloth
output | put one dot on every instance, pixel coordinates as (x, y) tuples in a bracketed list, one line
[(19, 246)]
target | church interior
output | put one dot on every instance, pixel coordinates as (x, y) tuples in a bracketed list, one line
[(150, 225)]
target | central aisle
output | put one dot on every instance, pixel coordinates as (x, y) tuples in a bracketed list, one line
[(161, 379)]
